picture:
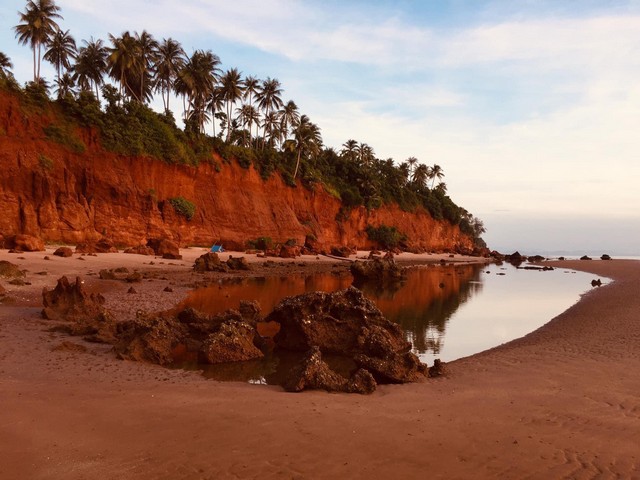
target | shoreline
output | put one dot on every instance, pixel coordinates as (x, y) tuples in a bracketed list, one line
[(560, 402)]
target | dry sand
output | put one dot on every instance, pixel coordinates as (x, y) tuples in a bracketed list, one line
[(562, 402)]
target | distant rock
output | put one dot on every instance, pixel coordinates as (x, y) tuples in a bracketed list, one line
[(343, 252), (165, 248), (232, 342), (379, 270), (63, 252), (238, 263), (438, 369), (140, 250), (288, 251), (25, 243), (585, 257), (596, 283), (605, 257), (10, 270), (209, 262)]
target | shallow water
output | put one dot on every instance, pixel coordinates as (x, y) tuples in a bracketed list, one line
[(446, 311)]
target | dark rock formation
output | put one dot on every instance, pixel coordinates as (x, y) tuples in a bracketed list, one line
[(605, 257), (347, 324), (288, 251), (379, 270), (209, 262), (106, 274), (438, 369), (165, 248), (63, 252), (585, 257), (10, 270), (70, 302), (312, 373), (24, 243), (342, 252), (596, 283), (238, 263), (140, 250), (232, 342)]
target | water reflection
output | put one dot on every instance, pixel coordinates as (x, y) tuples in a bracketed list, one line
[(476, 306)]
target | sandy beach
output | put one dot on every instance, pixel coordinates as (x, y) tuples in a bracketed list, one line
[(562, 402)]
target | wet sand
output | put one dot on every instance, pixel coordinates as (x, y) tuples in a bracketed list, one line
[(562, 402)]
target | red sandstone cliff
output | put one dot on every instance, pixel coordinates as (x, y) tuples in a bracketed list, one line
[(60, 196)]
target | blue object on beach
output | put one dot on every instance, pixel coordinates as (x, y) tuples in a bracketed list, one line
[(217, 249)]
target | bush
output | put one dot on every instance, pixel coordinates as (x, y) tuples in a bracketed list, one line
[(63, 136), (45, 162), (183, 207), (387, 237), (262, 243)]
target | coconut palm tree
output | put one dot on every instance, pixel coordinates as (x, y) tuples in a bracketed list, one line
[(365, 154), (215, 104), (412, 161), (171, 58), (148, 51), (36, 28), (232, 90), (125, 63), (349, 150), (289, 116), (435, 172), (5, 65), (248, 115), (307, 140), (62, 49), (269, 98), (196, 82), (420, 175), (65, 85), (251, 88), (91, 65)]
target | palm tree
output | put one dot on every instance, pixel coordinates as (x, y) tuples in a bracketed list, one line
[(148, 51), (405, 171), (441, 188), (435, 172), (269, 98), (248, 115), (232, 90), (412, 164), (125, 62), (65, 85), (349, 150), (171, 58), (420, 175), (215, 105), (62, 49), (307, 140), (196, 82), (5, 65), (271, 127), (91, 64), (251, 87), (365, 154), (289, 116), (37, 26)]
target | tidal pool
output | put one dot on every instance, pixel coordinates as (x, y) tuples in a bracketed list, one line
[(446, 311)]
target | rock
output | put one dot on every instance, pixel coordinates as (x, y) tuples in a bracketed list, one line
[(233, 342), (335, 322), (151, 339), (105, 274), (132, 290), (250, 311), (165, 248), (238, 263), (605, 257), (135, 277), (67, 346), (63, 252), (102, 246), (209, 262), (379, 270), (596, 283), (585, 257), (10, 270), (393, 367), (536, 258), (168, 289), (314, 374), (343, 252), (438, 369), (70, 302), (140, 250), (288, 251), (25, 243)]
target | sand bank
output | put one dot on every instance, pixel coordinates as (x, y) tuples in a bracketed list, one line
[(562, 402)]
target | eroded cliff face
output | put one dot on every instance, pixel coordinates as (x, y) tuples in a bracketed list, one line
[(50, 192)]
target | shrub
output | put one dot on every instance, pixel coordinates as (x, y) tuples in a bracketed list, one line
[(64, 136), (387, 237), (262, 243), (183, 207), (45, 162)]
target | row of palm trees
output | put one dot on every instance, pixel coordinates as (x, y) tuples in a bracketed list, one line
[(140, 66)]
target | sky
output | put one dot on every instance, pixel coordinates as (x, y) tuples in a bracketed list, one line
[(531, 107)]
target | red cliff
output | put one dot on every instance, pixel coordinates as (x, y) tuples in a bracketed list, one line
[(48, 191)]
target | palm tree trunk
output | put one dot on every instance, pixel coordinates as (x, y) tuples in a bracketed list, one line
[(295, 172)]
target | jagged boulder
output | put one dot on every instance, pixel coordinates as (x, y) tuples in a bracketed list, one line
[(313, 373), (438, 369), (605, 257), (26, 243), (209, 262), (165, 248), (10, 270), (393, 367), (153, 339), (232, 342), (140, 250), (289, 251), (585, 257), (63, 252), (238, 263), (70, 302), (379, 270), (342, 252)]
